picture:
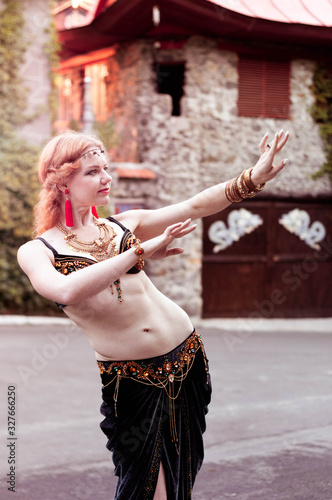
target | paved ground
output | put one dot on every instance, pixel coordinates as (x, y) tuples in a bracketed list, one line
[(269, 431)]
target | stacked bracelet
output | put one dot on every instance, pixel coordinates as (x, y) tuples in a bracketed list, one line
[(139, 251), (242, 187)]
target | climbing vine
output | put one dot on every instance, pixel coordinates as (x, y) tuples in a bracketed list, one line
[(51, 49), (18, 160), (12, 49), (322, 113)]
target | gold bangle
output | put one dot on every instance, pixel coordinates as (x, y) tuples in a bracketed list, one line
[(231, 191), (247, 193), (249, 183), (139, 251), (236, 191), (242, 187), (247, 179), (227, 191)]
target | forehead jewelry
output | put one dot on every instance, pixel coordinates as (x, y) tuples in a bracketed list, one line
[(93, 152)]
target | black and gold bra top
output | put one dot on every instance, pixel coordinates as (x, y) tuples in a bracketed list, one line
[(66, 264)]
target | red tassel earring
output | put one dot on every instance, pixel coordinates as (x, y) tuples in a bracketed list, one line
[(94, 212), (68, 211)]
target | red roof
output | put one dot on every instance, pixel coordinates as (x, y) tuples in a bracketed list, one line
[(300, 23), (311, 12)]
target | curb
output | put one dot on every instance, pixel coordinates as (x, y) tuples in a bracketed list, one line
[(18, 320), (301, 325)]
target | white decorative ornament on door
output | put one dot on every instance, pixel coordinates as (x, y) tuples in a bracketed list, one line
[(240, 222), (298, 222)]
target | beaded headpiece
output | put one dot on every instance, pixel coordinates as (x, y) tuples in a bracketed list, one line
[(91, 152)]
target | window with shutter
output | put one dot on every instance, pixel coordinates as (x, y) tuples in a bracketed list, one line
[(263, 88)]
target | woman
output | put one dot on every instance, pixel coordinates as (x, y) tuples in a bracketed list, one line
[(156, 385)]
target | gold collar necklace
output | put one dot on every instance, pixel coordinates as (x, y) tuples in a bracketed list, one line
[(101, 248)]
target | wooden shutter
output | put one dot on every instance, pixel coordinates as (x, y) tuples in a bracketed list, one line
[(263, 88)]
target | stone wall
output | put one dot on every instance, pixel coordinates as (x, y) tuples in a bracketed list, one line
[(121, 100), (208, 143)]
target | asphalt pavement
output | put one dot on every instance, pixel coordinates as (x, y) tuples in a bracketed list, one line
[(269, 428)]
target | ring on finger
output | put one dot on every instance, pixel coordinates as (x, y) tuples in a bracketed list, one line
[(268, 146)]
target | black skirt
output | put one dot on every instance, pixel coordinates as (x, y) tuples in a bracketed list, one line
[(155, 413)]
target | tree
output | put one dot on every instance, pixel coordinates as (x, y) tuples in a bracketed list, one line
[(18, 166)]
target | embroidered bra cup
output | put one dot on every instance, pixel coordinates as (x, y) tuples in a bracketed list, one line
[(66, 264)]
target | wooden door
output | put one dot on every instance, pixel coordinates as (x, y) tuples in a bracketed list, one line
[(270, 271)]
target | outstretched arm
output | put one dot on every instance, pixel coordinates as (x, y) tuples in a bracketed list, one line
[(36, 262), (148, 223)]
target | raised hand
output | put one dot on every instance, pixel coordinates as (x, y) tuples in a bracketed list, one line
[(264, 170), (157, 248)]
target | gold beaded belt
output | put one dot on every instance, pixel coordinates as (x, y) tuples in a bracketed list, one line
[(162, 373), (147, 372)]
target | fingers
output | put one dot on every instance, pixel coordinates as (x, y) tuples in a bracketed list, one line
[(277, 143), (173, 251), (274, 143), (183, 232), (280, 166), (283, 141), (187, 230), (181, 229), (262, 144), (177, 226)]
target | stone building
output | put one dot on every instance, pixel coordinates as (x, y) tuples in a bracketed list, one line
[(191, 88)]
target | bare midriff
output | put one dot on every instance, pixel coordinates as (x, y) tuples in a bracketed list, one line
[(144, 325)]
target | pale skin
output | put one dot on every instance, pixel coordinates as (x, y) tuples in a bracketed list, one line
[(146, 323)]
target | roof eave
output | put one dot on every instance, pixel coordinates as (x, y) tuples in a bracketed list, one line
[(112, 26)]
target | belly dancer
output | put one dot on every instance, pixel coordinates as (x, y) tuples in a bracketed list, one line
[(154, 371)]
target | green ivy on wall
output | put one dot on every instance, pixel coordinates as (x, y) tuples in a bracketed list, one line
[(18, 161), (51, 50), (322, 113), (12, 49)]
